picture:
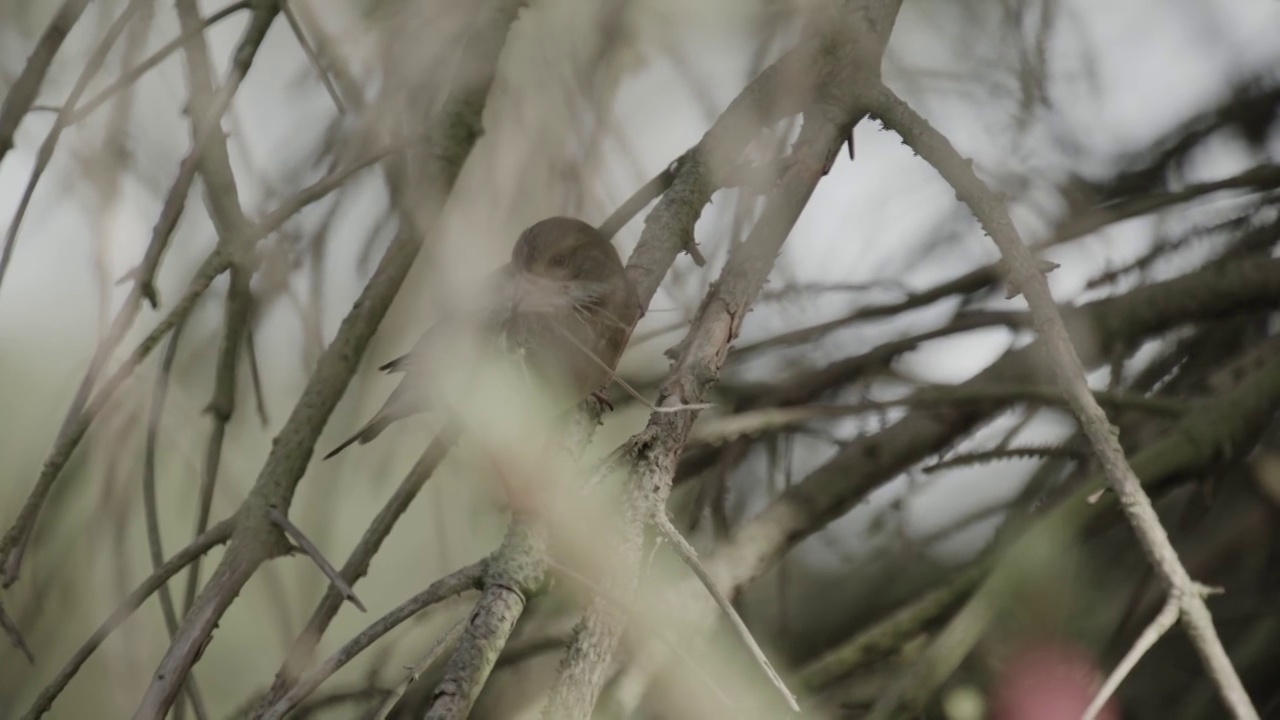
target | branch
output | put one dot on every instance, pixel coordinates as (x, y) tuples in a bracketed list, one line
[(11, 631), (1070, 373), (453, 133), (511, 574), (433, 653), (455, 583), (867, 462), (888, 635), (1232, 420), (763, 420), (126, 79), (835, 51), (95, 61), (79, 417), (22, 94), (312, 56), (1078, 225), (216, 535), (316, 556), (1159, 626), (82, 411), (690, 558), (222, 197), (151, 506), (357, 564)]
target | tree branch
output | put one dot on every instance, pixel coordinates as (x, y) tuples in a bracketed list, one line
[(22, 94), (1070, 374), (216, 535), (357, 564), (844, 43), (455, 583), (256, 539)]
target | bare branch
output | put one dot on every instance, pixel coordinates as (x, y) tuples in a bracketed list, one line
[(1160, 625), (312, 57), (256, 539), (316, 556), (81, 412), (151, 506), (433, 653), (509, 577), (222, 197), (1070, 373), (216, 535), (843, 46), (357, 564), (690, 558), (869, 461), (11, 630), (886, 636), (87, 108), (92, 65), (22, 94), (455, 583), (77, 421)]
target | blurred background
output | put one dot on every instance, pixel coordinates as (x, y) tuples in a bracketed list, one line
[(1136, 141)]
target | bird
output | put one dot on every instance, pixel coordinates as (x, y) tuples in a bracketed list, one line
[(563, 305)]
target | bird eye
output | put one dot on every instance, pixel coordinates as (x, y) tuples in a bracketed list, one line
[(560, 260)]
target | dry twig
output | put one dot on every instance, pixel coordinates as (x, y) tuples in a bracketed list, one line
[(1070, 373)]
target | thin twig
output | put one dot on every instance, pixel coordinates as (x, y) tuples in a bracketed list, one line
[(11, 631), (433, 653), (22, 93), (644, 195), (1074, 227), (1026, 277), (316, 556), (820, 64), (216, 535), (455, 583), (82, 411), (690, 558), (126, 79), (151, 506), (357, 563), (312, 57), (92, 65), (77, 423), (1159, 626), (455, 128), (656, 632)]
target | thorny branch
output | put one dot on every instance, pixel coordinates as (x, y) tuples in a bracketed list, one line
[(831, 101), (845, 42), (256, 539), (82, 410), (1070, 374)]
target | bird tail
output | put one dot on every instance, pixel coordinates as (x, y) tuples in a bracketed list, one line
[(365, 434)]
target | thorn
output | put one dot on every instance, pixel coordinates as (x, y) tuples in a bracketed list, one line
[(604, 401), (691, 247), (316, 556), (11, 629)]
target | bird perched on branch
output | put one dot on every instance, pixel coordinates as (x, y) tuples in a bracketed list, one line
[(563, 307)]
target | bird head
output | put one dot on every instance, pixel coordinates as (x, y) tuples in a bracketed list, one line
[(560, 263)]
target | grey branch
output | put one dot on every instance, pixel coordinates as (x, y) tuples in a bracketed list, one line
[(690, 558), (316, 556), (1070, 373)]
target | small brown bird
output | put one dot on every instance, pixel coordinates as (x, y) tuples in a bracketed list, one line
[(563, 305)]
